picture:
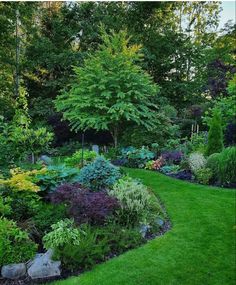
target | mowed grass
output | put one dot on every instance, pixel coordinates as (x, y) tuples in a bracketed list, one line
[(198, 250)]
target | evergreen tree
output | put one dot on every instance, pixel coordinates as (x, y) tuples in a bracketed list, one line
[(215, 136)]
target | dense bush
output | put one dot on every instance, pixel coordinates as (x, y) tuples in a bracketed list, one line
[(215, 136), (98, 175), (213, 163), (203, 175), (76, 159), (120, 239), (183, 175), (15, 245), (75, 247), (134, 201), (56, 175), (196, 161), (83, 205), (172, 157), (47, 214), (227, 166)]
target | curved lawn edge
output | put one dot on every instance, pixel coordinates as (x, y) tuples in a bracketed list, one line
[(198, 249)]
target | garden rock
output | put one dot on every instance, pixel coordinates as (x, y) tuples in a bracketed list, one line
[(42, 266), (45, 159), (13, 271), (144, 230)]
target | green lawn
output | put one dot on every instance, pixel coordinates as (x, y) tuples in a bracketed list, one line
[(198, 250)]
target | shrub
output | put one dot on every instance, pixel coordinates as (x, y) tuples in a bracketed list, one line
[(227, 165), (213, 164), (183, 175), (76, 159), (172, 156), (203, 175), (134, 201), (99, 175), (169, 169), (75, 247), (92, 207), (196, 161), (5, 206), (56, 175), (215, 136), (85, 206), (15, 245), (46, 215), (22, 203), (21, 180), (120, 239)]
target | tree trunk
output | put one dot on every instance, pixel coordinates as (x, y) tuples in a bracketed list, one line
[(115, 136)]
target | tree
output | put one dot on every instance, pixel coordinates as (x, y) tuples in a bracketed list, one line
[(110, 89), (215, 136)]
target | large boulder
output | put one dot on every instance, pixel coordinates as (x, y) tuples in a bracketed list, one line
[(13, 271), (42, 266)]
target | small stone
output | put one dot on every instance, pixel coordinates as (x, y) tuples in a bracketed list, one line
[(144, 229), (160, 222), (45, 159), (42, 266), (13, 271)]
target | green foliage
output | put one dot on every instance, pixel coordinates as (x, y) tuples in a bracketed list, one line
[(203, 175), (75, 247), (215, 136), (227, 165), (56, 175), (134, 200), (110, 89), (63, 232), (15, 245), (197, 143), (120, 239), (47, 214), (137, 157), (76, 158), (99, 175), (5, 206), (225, 106), (169, 169), (213, 162)]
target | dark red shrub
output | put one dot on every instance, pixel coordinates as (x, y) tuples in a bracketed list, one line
[(92, 207), (65, 193), (83, 205)]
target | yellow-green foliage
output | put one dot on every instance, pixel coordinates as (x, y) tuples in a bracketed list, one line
[(21, 180)]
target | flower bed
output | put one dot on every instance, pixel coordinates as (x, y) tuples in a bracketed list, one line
[(81, 217)]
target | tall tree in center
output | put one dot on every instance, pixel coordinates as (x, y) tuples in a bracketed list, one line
[(110, 89)]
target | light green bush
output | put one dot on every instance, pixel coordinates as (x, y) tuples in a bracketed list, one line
[(15, 244), (227, 165), (203, 175), (134, 200), (196, 161), (76, 158)]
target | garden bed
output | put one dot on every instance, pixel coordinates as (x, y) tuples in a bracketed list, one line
[(83, 216)]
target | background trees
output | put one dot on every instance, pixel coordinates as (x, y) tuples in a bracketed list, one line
[(187, 57), (110, 89)]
